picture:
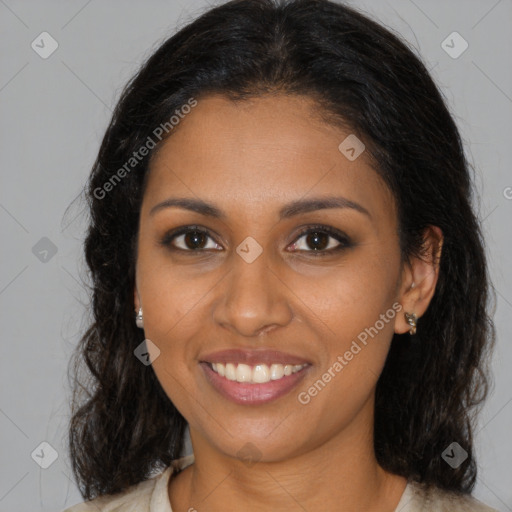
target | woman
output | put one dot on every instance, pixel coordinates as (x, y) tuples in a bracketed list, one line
[(283, 200)]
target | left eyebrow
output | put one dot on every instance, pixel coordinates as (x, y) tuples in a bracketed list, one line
[(320, 203), (287, 211)]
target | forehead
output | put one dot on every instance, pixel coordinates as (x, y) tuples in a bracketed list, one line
[(260, 152)]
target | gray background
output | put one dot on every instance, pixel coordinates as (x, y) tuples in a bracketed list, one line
[(53, 114)]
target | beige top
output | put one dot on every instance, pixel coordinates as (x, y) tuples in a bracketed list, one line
[(152, 496)]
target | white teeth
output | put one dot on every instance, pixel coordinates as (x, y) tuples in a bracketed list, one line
[(243, 373), (230, 371), (276, 371), (259, 374)]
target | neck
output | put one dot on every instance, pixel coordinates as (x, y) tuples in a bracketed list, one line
[(340, 474)]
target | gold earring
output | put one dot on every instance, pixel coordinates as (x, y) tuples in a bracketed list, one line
[(411, 320)]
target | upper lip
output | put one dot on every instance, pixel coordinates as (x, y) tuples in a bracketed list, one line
[(252, 357)]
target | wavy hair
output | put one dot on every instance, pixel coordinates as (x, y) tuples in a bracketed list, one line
[(363, 77)]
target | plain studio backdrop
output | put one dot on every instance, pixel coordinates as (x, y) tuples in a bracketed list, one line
[(56, 99)]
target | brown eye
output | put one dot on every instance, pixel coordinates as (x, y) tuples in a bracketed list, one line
[(316, 238), (188, 239), (194, 240)]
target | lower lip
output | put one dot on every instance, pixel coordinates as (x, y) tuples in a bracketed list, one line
[(252, 394)]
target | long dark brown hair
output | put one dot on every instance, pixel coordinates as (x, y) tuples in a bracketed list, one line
[(123, 426)]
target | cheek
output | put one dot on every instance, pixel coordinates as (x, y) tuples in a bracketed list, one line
[(352, 297), (172, 295), (172, 324), (171, 304), (360, 317), (177, 318), (357, 307), (174, 310)]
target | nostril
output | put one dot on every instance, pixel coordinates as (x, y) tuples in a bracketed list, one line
[(264, 330)]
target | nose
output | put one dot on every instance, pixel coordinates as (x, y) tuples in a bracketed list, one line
[(254, 300)]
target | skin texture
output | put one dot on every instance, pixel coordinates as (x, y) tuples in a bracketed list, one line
[(251, 158)]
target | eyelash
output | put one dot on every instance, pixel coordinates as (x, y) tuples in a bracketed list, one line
[(345, 242)]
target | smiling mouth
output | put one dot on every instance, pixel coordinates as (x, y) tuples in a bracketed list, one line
[(256, 374), (253, 377)]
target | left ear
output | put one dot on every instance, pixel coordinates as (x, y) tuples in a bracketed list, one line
[(419, 278)]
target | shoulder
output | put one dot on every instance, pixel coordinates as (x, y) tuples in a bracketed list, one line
[(420, 499), (151, 495), (136, 498)]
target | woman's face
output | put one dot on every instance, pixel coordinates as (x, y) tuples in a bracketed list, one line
[(255, 286)]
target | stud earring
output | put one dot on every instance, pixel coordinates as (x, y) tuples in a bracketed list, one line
[(138, 319), (411, 320)]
